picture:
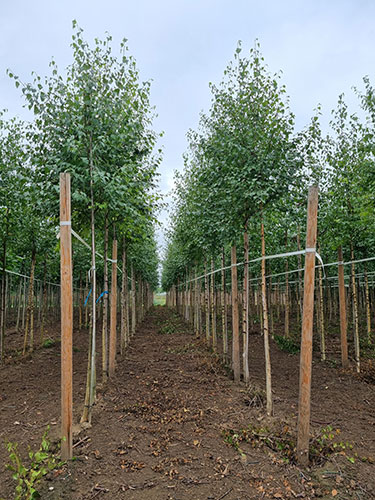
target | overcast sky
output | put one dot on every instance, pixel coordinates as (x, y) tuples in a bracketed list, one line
[(323, 48)]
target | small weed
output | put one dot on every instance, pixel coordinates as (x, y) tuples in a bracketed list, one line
[(168, 328), (327, 443), (287, 344), (49, 343), (29, 475), (282, 441)]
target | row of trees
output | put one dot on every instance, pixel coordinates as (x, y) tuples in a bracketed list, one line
[(244, 190), (93, 120)]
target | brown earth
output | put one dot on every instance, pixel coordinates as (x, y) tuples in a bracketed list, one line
[(173, 425)]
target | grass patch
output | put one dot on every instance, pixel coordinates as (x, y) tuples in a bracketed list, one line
[(160, 299)]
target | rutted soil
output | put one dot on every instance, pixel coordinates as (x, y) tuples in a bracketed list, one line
[(166, 425)]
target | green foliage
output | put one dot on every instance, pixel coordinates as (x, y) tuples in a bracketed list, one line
[(281, 440), (170, 326), (240, 161), (287, 344), (49, 343), (29, 475), (94, 120)]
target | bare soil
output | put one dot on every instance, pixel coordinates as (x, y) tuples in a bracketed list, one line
[(172, 424)]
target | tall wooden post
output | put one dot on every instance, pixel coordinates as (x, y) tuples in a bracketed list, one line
[(304, 406), (66, 318), (235, 318), (113, 330), (343, 323)]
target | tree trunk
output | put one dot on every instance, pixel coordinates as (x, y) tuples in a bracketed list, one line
[(91, 379), (105, 305), (235, 318), (299, 259), (368, 316), (207, 303), (19, 304), (245, 308), (3, 301), (81, 299), (265, 328), (44, 303), (321, 316), (133, 292), (286, 288), (213, 307), (355, 313), (113, 328), (224, 310), (124, 301), (30, 308)]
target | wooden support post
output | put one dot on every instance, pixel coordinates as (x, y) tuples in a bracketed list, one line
[(66, 318), (307, 331), (235, 318), (113, 330), (343, 323)]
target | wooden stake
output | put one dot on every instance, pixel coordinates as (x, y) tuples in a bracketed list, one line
[(66, 319), (235, 318), (113, 330), (307, 330), (343, 323)]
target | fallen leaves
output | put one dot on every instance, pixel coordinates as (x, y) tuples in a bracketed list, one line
[(132, 466)]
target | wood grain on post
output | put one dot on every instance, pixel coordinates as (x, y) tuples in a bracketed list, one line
[(66, 318), (307, 331), (113, 327), (235, 318), (343, 323)]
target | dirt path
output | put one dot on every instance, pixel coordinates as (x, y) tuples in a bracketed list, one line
[(165, 428)]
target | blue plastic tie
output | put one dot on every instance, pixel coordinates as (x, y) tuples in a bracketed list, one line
[(87, 298), (101, 295)]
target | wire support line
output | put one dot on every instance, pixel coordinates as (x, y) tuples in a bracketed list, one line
[(287, 254), (258, 259), (35, 279)]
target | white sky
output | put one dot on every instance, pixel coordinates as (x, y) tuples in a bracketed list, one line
[(323, 47)]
